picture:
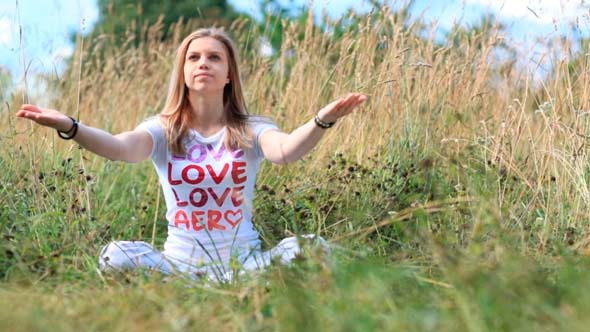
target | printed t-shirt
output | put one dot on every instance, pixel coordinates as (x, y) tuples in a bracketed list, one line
[(209, 193)]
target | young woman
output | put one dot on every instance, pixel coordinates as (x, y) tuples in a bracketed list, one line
[(206, 150)]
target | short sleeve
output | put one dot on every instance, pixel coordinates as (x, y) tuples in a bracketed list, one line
[(156, 130), (260, 125)]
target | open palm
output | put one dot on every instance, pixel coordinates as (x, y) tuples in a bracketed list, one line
[(341, 107), (45, 116)]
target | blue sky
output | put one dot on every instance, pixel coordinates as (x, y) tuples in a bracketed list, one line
[(46, 24)]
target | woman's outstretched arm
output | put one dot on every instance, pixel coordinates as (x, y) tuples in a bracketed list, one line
[(131, 146), (282, 148)]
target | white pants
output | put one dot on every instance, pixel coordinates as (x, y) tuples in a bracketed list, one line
[(127, 255)]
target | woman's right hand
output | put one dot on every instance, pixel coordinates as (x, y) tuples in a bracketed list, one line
[(130, 146), (45, 116)]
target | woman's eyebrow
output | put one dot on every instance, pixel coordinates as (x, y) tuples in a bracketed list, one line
[(206, 52)]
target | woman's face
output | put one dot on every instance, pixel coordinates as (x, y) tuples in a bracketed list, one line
[(206, 66)]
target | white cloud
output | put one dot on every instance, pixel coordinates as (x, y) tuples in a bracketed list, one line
[(541, 11), (265, 47), (62, 53), (5, 31)]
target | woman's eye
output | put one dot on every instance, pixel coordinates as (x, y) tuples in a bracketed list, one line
[(215, 57)]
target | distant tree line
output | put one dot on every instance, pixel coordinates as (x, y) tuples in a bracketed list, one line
[(120, 17)]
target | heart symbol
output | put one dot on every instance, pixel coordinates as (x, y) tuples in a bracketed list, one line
[(233, 217)]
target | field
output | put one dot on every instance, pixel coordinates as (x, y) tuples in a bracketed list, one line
[(455, 199)]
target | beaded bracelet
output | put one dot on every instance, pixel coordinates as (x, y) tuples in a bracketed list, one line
[(70, 133), (322, 124)]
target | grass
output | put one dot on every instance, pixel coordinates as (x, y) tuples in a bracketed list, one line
[(455, 199)]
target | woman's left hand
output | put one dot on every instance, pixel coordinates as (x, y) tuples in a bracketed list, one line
[(341, 107)]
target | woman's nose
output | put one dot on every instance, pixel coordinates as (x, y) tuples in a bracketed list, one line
[(203, 63)]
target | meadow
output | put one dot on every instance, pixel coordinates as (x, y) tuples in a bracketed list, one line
[(455, 199)]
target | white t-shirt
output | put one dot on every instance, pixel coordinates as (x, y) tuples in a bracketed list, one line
[(209, 194)]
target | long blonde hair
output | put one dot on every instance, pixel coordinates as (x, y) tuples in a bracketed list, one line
[(176, 116)]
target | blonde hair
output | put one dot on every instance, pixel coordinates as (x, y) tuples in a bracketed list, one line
[(176, 116)]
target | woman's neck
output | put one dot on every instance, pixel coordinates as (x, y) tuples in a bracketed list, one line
[(208, 113)]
